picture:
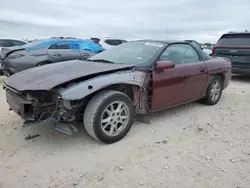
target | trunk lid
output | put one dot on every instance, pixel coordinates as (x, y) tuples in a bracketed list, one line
[(49, 76)]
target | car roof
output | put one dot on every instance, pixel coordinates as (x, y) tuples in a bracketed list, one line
[(64, 39), (162, 41), (55, 40), (84, 44), (237, 33), (2, 38)]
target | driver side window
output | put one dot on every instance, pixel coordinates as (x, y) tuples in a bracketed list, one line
[(180, 54), (64, 46)]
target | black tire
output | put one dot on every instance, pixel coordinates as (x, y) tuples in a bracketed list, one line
[(94, 112), (208, 98)]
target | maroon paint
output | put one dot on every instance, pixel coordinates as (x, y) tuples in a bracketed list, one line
[(186, 83)]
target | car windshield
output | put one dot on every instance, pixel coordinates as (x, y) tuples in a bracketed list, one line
[(129, 53)]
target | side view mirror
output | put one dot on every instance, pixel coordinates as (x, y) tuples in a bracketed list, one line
[(162, 65)]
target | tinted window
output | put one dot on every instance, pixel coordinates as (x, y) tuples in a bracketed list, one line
[(59, 46), (234, 40), (64, 46), (113, 42), (10, 43), (180, 54), (74, 46), (53, 46), (17, 43), (5, 43)]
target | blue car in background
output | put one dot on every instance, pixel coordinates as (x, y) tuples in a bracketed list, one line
[(42, 52)]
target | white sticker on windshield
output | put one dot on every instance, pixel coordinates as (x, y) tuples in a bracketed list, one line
[(153, 44)]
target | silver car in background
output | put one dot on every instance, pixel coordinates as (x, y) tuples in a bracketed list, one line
[(46, 51), (10, 42)]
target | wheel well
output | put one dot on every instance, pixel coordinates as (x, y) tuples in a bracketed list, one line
[(124, 88), (222, 76)]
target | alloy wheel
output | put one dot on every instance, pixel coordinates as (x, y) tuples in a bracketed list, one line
[(215, 90), (115, 118)]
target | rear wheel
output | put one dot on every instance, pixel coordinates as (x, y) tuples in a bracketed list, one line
[(214, 91), (109, 116)]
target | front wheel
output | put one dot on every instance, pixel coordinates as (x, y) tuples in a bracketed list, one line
[(109, 116), (214, 91)]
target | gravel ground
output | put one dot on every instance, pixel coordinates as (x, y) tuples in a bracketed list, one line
[(188, 146)]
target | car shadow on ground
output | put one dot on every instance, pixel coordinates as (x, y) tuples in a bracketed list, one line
[(171, 111), (49, 136), (241, 78)]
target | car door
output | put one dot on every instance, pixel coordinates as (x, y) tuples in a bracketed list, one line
[(181, 84), (64, 51)]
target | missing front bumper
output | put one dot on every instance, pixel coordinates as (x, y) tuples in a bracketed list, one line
[(19, 105), (39, 114), (31, 110)]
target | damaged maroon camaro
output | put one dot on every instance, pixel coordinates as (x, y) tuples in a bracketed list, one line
[(105, 92)]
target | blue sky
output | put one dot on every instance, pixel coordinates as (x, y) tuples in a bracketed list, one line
[(129, 19)]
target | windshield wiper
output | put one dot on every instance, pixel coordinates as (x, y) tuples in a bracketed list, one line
[(102, 60)]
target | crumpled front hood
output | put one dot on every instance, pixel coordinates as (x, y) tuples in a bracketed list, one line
[(49, 76)]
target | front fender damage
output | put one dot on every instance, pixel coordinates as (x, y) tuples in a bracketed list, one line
[(68, 102), (75, 97), (139, 80), (80, 90)]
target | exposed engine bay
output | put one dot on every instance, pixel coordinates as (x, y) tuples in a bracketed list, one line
[(49, 107)]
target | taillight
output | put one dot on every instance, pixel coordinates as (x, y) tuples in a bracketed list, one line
[(213, 51)]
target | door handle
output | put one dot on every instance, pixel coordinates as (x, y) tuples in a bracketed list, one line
[(56, 54), (202, 70)]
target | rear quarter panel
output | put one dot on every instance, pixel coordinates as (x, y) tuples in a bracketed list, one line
[(219, 66)]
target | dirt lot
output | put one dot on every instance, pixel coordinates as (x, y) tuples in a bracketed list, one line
[(200, 146)]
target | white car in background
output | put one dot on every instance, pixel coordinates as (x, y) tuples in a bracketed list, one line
[(10, 42), (111, 42), (107, 43), (207, 51)]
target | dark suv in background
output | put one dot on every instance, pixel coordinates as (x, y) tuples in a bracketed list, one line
[(236, 47)]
